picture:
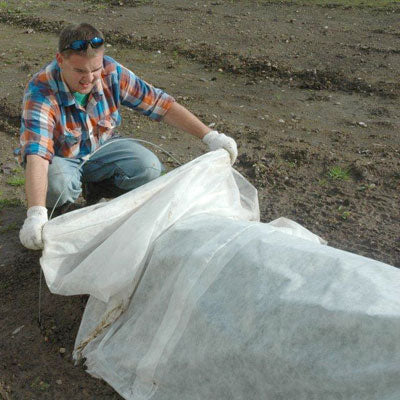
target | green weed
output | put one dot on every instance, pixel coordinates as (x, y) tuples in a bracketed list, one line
[(344, 214), (338, 173), (366, 187), (3, 286), (16, 181), (340, 3), (131, 3), (41, 385), (14, 202), (322, 182), (10, 227)]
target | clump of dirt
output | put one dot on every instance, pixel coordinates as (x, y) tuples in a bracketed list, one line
[(28, 21), (10, 116)]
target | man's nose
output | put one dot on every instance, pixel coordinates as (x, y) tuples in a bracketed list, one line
[(89, 76)]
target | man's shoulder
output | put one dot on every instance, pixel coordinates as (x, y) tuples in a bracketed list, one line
[(45, 82), (111, 66)]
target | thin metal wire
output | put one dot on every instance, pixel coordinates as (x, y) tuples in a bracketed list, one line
[(156, 146), (102, 147), (59, 197), (40, 297)]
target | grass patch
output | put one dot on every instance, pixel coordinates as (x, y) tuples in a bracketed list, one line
[(16, 181), (40, 385), (10, 227), (14, 202), (339, 173), (339, 3), (323, 182), (344, 214), (23, 7), (131, 3)]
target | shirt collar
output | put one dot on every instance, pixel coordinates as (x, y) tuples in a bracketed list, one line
[(97, 91), (66, 97)]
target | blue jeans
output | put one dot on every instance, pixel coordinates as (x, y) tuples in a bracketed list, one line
[(120, 162)]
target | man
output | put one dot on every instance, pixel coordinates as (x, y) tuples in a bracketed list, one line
[(70, 112)]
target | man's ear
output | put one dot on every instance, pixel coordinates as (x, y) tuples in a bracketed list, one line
[(59, 58)]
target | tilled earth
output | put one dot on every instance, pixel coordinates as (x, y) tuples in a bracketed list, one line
[(310, 93)]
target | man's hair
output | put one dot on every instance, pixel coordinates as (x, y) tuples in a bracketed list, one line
[(74, 32)]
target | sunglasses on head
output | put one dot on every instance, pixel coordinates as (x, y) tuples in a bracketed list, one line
[(79, 45)]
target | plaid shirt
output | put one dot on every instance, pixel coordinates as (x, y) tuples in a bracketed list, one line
[(54, 124)]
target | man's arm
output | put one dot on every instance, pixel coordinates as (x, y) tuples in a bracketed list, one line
[(179, 117), (156, 104), (36, 180)]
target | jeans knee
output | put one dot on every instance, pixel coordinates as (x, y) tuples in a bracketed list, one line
[(151, 173), (141, 176), (62, 189), (148, 167)]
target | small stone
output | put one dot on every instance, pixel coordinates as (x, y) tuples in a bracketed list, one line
[(362, 124), (220, 70), (18, 330), (62, 350), (59, 381), (281, 121)]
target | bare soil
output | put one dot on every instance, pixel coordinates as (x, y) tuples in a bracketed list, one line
[(310, 93)]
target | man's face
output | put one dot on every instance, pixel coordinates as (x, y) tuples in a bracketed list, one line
[(80, 72)]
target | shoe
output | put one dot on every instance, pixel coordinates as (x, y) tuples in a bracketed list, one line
[(93, 192)]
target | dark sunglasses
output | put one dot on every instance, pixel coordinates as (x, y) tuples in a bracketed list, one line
[(80, 45)]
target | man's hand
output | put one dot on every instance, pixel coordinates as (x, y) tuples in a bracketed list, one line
[(215, 141), (30, 234)]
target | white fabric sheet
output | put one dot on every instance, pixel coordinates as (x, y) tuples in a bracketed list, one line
[(191, 297)]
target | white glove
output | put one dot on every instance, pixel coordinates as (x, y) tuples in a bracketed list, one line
[(30, 234), (215, 141)]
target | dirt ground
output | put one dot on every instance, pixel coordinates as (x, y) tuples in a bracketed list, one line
[(310, 93)]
